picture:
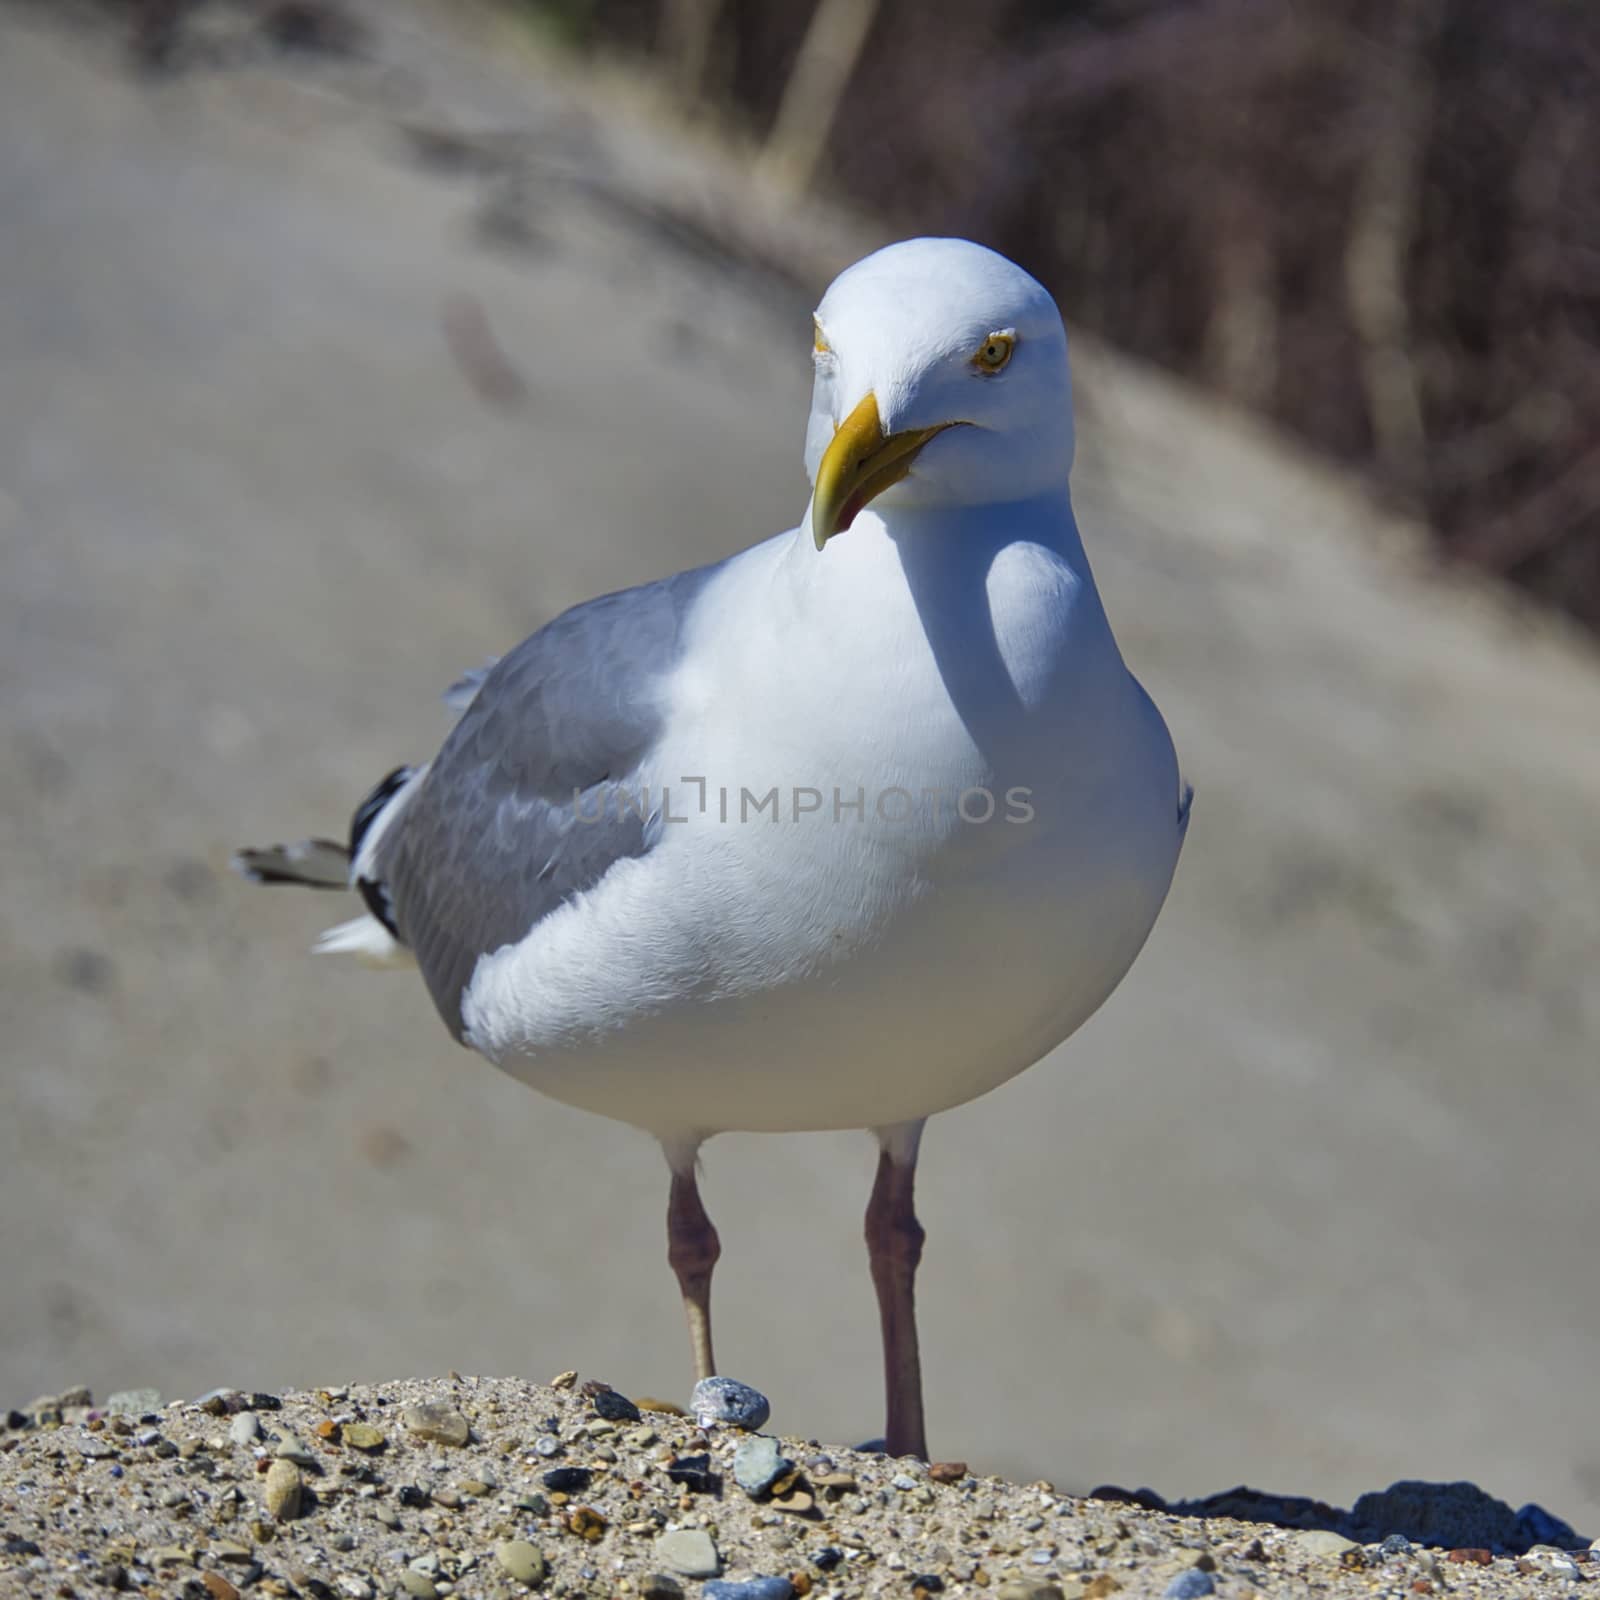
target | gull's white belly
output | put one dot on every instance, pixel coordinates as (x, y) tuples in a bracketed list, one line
[(948, 989)]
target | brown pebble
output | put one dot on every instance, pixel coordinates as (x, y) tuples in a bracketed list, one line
[(327, 1429), (800, 1582), (1103, 1585), (1470, 1557), (219, 1586), (564, 1380), (663, 1408), (282, 1493), (587, 1523), (1421, 1586), (363, 1436), (948, 1471)]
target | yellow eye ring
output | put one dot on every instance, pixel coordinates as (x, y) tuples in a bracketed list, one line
[(819, 345), (994, 352)]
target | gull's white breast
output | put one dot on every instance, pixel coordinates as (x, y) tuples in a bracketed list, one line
[(849, 964)]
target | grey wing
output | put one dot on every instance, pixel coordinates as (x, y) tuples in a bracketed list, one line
[(524, 805)]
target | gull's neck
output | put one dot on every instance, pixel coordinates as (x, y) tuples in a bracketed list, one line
[(888, 543)]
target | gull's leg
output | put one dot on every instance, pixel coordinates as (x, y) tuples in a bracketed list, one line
[(894, 1247), (692, 1248)]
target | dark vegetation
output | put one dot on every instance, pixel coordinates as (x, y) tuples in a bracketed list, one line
[(1376, 221)]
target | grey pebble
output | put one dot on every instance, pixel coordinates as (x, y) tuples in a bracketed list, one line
[(245, 1428), (522, 1560), (689, 1551), (356, 1588), (290, 1448), (758, 1464), (1190, 1585), (547, 1445), (440, 1424), (133, 1402), (750, 1589), (1321, 1542), (418, 1585), (728, 1403)]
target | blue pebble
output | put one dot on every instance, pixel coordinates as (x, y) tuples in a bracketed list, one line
[(1395, 1544), (749, 1589), (1190, 1585), (726, 1402)]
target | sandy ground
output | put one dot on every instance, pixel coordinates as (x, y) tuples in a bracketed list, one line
[(470, 1487), (1309, 1205)]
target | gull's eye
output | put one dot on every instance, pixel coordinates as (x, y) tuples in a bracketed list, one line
[(819, 343), (994, 352)]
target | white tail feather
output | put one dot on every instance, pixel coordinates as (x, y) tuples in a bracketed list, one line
[(368, 940)]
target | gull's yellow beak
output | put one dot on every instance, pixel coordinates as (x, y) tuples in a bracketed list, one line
[(858, 465)]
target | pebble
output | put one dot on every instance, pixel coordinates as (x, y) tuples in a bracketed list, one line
[(750, 1589), (758, 1464), (1322, 1542), (728, 1403), (689, 1551), (522, 1560), (282, 1492), (356, 1588), (290, 1448), (1190, 1585), (436, 1423), (136, 1402), (1031, 1591), (245, 1428), (363, 1436), (418, 1585), (660, 1586), (1549, 1559), (218, 1587), (565, 1480), (610, 1405), (547, 1445)]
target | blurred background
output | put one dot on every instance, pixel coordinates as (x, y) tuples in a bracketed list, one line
[(343, 344)]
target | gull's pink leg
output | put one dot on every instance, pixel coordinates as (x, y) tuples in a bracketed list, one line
[(692, 1248), (894, 1247)]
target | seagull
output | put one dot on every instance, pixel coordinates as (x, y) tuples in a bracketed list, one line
[(840, 832)]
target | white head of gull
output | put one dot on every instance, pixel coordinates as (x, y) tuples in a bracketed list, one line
[(840, 832)]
